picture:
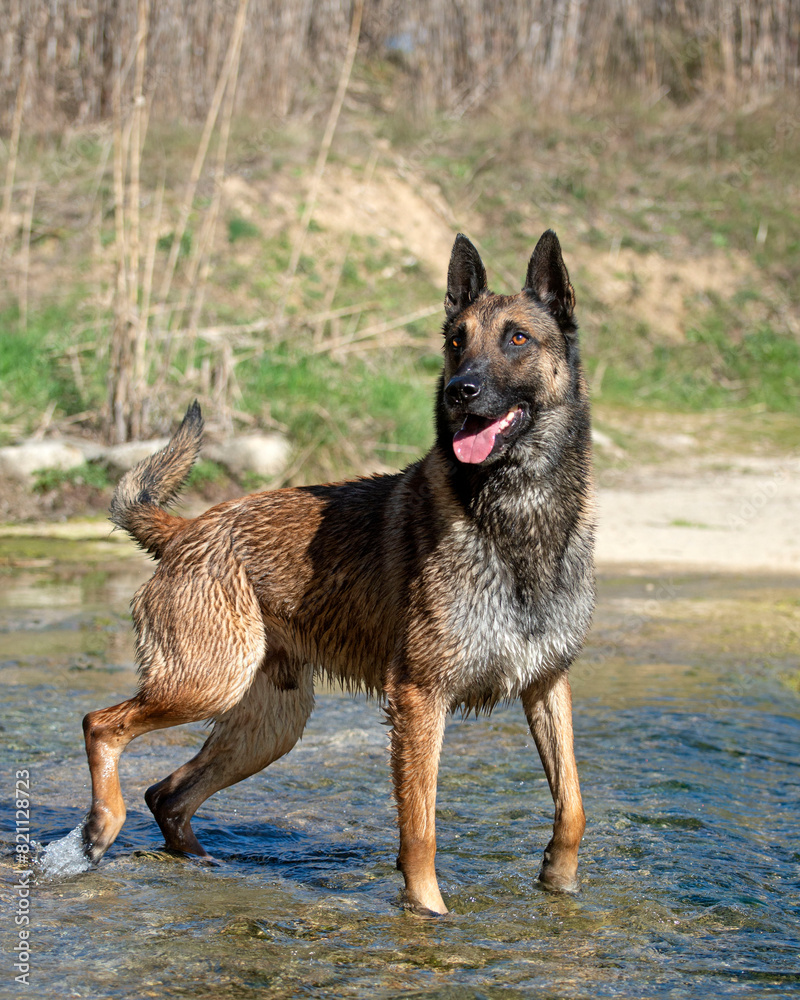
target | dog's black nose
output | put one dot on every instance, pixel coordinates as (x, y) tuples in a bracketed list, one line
[(463, 388)]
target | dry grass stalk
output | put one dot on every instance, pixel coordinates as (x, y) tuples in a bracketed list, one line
[(119, 368), (11, 166), (202, 149), (230, 386), (24, 265), (394, 339), (137, 319), (377, 330), (140, 372), (44, 423), (206, 241), (201, 251), (347, 446), (99, 174), (225, 386), (127, 401), (137, 139), (322, 157), (134, 285), (77, 371), (237, 331)]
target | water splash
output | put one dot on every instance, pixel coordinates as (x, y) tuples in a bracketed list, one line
[(65, 856)]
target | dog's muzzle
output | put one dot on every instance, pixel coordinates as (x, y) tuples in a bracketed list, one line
[(462, 390)]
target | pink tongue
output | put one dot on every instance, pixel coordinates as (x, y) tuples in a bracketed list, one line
[(474, 442)]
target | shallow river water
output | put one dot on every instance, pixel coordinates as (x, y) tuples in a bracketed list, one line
[(687, 721)]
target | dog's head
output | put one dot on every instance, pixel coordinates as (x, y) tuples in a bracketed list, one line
[(510, 360)]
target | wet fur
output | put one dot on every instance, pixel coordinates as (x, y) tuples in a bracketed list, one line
[(441, 587)]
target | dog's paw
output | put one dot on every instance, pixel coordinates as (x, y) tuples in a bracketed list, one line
[(425, 903), (93, 840), (559, 880), (418, 910), (559, 874)]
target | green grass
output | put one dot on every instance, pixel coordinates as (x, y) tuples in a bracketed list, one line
[(343, 414), (88, 474), (241, 229), (205, 473), (713, 369), (164, 243), (34, 369)]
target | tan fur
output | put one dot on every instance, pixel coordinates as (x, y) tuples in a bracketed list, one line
[(439, 587)]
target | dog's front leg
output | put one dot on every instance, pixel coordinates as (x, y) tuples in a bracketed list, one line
[(417, 718), (548, 707)]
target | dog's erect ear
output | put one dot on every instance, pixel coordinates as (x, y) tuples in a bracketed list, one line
[(547, 278), (466, 276)]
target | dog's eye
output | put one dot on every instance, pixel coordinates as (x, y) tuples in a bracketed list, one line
[(456, 342), (520, 338)]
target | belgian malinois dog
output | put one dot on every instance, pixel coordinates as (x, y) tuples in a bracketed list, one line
[(463, 581)]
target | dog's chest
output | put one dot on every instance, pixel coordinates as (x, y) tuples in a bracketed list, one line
[(512, 621)]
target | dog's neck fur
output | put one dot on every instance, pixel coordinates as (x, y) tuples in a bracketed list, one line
[(531, 534)]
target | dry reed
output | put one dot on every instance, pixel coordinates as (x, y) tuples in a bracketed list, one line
[(322, 156), (13, 151), (24, 263)]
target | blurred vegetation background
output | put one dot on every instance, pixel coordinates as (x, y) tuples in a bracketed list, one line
[(253, 202), (453, 53)]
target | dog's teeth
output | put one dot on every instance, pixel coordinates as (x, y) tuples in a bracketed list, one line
[(508, 418)]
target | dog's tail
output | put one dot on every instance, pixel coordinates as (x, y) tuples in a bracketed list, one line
[(137, 505)]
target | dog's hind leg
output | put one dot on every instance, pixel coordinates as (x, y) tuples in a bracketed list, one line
[(107, 732), (548, 707), (200, 643), (264, 726), (417, 719)]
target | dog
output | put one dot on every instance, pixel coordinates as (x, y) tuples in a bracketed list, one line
[(463, 581)]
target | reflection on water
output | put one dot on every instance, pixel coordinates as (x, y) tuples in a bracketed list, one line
[(687, 729)]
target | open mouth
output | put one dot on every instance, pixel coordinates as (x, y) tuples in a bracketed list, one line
[(480, 436)]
